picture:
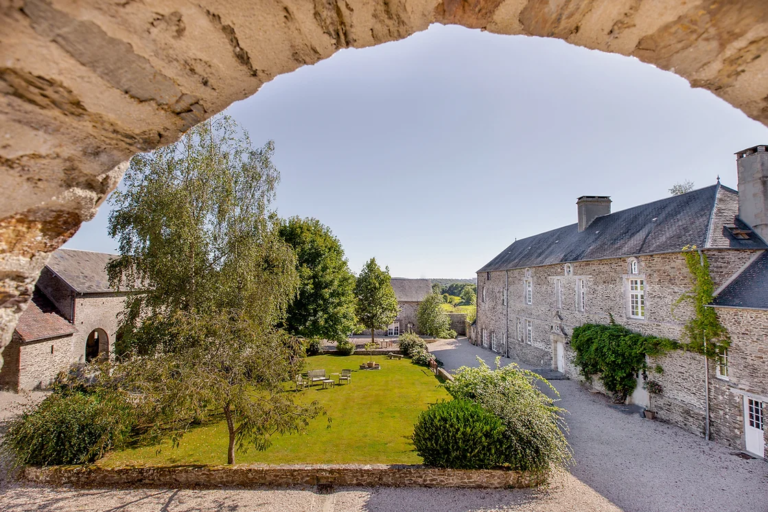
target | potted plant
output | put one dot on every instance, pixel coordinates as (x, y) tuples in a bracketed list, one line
[(370, 347)]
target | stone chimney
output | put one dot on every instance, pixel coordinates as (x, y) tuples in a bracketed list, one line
[(752, 164), (590, 208)]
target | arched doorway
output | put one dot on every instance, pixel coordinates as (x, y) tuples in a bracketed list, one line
[(95, 344)]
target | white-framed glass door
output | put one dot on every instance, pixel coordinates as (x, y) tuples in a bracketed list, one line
[(394, 329), (754, 424)]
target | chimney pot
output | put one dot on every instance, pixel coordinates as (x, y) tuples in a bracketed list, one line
[(591, 207)]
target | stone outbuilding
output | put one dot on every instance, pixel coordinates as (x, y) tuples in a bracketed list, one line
[(409, 293), (629, 267), (73, 318)]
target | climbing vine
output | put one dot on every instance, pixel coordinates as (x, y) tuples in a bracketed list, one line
[(617, 355), (704, 324)]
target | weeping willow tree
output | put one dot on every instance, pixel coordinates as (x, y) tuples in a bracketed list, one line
[(210, 278)]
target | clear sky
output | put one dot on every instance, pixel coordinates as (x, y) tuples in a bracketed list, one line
[(434, 153)]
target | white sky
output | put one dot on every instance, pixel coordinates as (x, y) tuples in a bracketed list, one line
[(434, 153)]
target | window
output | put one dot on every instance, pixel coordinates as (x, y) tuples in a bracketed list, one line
[(485, 338), (568, 269), (483, 293), (558, 294), (493, 341), (722, 363), (755, 414), (487, 276), (633, 267), (519, 330), (528, 332), (637, 298), (581, 295), (504, 297), (394, 329), (528, 291)]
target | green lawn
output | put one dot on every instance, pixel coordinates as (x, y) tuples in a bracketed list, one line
[(371, 421)]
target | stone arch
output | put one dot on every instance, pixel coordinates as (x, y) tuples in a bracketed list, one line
[(85, 85), (96, 344)]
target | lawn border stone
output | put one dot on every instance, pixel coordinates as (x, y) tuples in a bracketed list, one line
[(262, 475)]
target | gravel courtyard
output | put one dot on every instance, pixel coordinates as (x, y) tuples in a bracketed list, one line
[(622, 463)]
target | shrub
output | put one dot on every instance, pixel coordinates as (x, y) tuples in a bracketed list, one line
[(431, 318), (410, 342), (422, 357), (461, 435), (345, 348), (617, 354), (534, 438), (69, 428), (313, 347)]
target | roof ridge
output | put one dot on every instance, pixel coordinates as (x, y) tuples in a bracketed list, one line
[(85, 250), (711, 221)]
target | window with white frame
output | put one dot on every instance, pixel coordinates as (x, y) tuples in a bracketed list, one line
[(722, 363), (637, 298), (393, 329), (483, 293), (484, 337), (529, 331), (493, 341), (581, 294), (519, 330), (504, 297), (528, 290), (633, 267), (559, 293)]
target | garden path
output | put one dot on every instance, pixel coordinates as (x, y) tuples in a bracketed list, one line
[(638, 464)]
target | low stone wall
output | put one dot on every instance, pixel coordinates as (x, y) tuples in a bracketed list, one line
[(281, 476), (444, 374), (458, 322)]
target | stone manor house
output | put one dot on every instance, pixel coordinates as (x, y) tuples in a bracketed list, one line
[(629, 265), (409, 293), (72, 318)]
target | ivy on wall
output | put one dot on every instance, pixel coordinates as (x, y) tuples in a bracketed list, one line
[(704, 324), (617, 355)]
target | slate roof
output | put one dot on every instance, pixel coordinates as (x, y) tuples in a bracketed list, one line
[(411, 290), (83, 271), (749, 289), (699, 217), (41, 320)]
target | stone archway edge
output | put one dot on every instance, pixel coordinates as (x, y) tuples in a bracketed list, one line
[(352, 475), (85, 85)]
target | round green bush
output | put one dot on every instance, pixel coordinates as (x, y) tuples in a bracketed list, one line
[(460, 435), (345, 348), (313, 347), (410, 342), (72, 428), (422, 357)]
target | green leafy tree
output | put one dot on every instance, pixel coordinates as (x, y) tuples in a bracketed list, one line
[(681, 188), (431, 319), (376, 302), (325, 305), (436, 288), (211, 278), (468, 296)]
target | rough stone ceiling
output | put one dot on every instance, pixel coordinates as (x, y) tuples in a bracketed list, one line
[(86, 84)]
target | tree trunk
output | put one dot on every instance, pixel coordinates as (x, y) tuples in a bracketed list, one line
[(372, 337), (231, 428)]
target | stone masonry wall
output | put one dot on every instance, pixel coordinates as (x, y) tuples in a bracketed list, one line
[(373, 475), (96, 312), (9, 373), (36, 364), (666, 278)]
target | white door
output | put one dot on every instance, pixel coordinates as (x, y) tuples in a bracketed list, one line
[(560, 356), (754, 423)]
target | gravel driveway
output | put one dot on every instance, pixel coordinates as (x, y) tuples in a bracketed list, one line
[(638, 464), (623, 463)]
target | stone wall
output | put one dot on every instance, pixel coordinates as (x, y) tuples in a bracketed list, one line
[(458, 323), (96, 311), (666, 279), (282, 476), (34, 365)]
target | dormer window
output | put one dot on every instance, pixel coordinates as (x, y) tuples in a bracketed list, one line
[(568, 269), (634, 268)]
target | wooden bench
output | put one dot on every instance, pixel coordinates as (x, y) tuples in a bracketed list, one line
[(316, 376)]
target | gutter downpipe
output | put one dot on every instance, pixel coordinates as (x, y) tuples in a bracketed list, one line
[(706, 370), (506, 301)]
